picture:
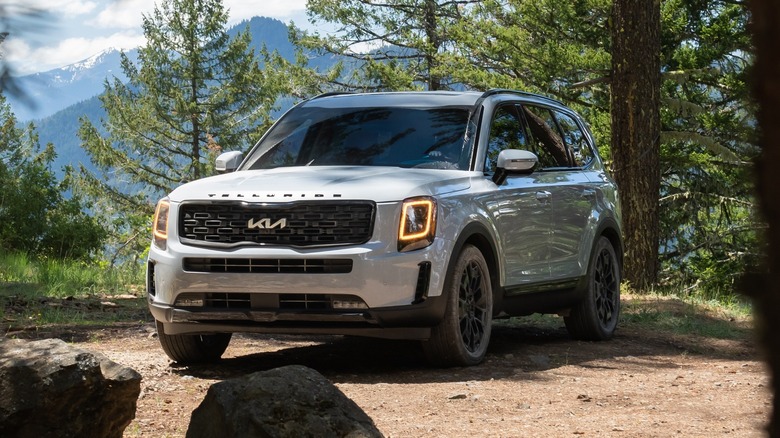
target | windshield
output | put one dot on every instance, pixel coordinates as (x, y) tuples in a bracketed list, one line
[(386, 136)]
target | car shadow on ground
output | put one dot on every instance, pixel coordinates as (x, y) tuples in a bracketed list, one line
[(517, 352)]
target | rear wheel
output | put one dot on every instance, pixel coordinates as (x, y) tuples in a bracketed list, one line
[(193, 348), (462, 337), (595, 318)]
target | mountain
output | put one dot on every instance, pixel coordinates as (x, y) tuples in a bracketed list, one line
[(51, 91), (64, 95), (57, 89)]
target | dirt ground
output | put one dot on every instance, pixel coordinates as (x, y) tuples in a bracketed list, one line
[(535, 382)]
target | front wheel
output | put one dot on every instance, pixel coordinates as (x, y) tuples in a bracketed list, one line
[(595, 318), (462, 337), (193, 348)]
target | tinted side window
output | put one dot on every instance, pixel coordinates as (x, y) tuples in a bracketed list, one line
[(506, 132), (575, 139), (546, 138)]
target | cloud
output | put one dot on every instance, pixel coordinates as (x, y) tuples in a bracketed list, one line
[(86, 27), (63, 8), (284, 10), (26, 59), (126, 14), (123, 14)]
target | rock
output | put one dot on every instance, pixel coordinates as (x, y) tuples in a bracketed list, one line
[(291, 401), (50, 389)]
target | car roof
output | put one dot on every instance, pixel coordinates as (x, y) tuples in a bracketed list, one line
[(422, 99)]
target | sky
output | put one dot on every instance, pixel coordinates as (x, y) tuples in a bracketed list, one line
[(73, 30)]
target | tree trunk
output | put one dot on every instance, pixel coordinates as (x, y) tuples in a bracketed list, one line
[(765, 289), (636, 127), (434, 42)]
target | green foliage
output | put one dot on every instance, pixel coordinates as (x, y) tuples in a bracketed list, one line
[(35, 216), (21, 275), (710, 232), (396, 45), (196, 92), (550, 47)]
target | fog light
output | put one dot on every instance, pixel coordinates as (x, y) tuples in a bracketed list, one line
[(341, 304)]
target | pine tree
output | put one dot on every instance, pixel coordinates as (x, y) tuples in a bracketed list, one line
[(636, 129), (395, 44), (560, 49), (195, 92), (709, 229)]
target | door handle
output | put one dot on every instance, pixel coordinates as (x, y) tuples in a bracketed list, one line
[(543, 196)]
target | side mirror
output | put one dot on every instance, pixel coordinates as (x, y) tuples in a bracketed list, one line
[(229, 161), (514, 161)]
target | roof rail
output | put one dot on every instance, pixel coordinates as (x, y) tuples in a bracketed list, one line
[(330, 93), (494, 91)]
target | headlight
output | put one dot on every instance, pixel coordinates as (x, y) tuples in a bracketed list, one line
[(417, 224), (160, 224)]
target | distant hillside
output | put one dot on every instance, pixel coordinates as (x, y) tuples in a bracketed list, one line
[(57, 89), (61, 129)]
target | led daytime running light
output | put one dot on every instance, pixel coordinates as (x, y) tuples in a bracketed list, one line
[(161, 220), (405, 232)]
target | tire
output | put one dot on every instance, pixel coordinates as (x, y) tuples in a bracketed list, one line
[(462, 337), (595, 318), (190, 349)]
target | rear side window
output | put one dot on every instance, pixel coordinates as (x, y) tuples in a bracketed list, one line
[(575, 139)]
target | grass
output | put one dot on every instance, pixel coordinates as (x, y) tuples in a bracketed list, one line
[(687, 314), (63, 278), (36, 293), (667, 314)]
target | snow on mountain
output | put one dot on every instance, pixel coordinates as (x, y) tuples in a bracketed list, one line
[(60, 88), (62, 96)]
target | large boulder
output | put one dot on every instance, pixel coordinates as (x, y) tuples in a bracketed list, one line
[(291, 401), (51, 389)]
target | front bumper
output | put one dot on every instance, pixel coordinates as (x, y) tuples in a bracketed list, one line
[(402, 322), (395, 295)]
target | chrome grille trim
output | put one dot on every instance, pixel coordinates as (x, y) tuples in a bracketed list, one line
[(297, 224)]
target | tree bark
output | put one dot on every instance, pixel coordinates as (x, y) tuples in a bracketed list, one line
[(636, 127), (765, 288)]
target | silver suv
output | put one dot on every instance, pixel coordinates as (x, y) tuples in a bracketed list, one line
[(409, 215)]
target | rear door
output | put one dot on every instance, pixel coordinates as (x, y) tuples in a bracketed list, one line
[(567, 155)]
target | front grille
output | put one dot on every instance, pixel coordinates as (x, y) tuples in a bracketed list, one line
[(289, 224), (265, 302), (269, 266)]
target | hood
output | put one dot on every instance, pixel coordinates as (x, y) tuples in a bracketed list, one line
[(379, 184)]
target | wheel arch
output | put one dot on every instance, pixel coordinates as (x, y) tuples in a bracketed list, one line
[(609, 228), (477, 234)]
